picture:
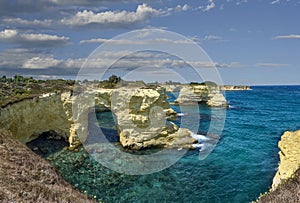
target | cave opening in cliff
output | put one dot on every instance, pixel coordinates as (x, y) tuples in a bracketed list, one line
[(47, 143)]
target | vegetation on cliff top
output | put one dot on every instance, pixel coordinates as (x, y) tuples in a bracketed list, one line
[(19, 88)]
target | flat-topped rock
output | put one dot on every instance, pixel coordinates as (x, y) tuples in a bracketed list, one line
[(192, 94)]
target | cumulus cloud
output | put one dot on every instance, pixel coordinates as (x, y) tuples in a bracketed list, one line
[(41, 62), (271, 64), (178, 8), (30, 39), (292, 36), (28, 61), (143, 12)]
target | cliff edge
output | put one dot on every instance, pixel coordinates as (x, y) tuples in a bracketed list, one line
[(286, 183), (26, 177), (289, 155)]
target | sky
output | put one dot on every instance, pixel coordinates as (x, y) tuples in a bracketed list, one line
[(246, 42)]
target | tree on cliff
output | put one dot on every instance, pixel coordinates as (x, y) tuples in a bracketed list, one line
[(114, 79), (111, 82)]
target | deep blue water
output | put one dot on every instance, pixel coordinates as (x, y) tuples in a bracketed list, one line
[(240, 168)]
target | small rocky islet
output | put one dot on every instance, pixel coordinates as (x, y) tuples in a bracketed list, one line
[(32, 112)]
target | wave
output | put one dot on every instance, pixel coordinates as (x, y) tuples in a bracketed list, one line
[(181, 114), (200, 138)]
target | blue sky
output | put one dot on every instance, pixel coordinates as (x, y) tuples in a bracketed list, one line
[(253, 42)]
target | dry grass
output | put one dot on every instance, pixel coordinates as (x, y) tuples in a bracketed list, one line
[(26, 177), (286, 192)]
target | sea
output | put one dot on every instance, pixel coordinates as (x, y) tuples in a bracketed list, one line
[(239, 168)]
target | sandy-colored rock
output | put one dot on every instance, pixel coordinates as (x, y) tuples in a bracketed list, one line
[(193, 94), (289, 154), (30, 117), (234, 88), (141, 119)]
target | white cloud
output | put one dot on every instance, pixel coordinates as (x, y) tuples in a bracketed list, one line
[(138, 42), (239, 2), (8, 34), (39, 62), (275, 2), (212, 37), (25, 22), (271, 64), (43, 37), (292, 36), (143, 12), (178, 8), (185, 7), (26, 59), (209, 6), (25, 39)]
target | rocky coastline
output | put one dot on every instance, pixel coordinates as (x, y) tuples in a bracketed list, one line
[(234, 88), (30, 117), (286, 182), (144, 121), (289, 155)]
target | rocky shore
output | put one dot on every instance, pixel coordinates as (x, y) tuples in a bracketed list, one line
[(143, 121), (286, 183), (289, 155), (234, 88)]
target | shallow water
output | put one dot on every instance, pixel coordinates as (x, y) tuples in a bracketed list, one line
[(240, 168)]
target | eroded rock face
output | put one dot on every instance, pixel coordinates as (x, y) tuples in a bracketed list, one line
[(29, 118), (192, 94), (141, 119), (289, 154)]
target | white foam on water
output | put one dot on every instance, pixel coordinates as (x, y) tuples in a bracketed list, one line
[(198, 145), (181, 114), (200, 138)]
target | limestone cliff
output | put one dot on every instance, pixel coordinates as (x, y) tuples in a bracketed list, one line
[(141, 120), (142, 117), (191, 94), (289, 154), (30, 117)]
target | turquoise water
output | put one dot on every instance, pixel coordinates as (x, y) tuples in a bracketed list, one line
[(240, 168)]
